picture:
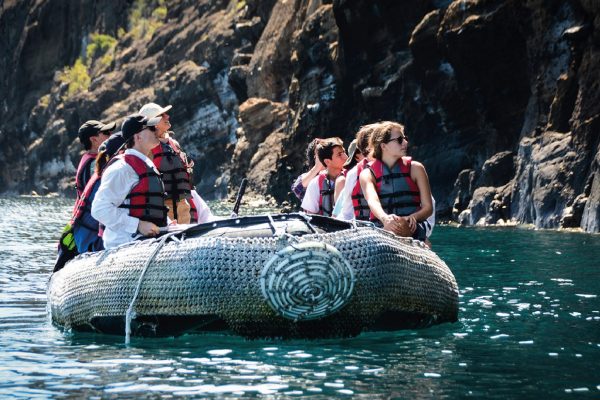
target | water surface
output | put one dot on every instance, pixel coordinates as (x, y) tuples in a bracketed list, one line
[(529, 327)]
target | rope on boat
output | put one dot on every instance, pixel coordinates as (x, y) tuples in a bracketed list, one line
[(130, 314), (306, 281)]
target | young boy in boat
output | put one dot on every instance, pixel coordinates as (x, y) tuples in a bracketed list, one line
[(396, 187), (319, 197)]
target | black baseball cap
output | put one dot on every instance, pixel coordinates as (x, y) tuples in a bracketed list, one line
[(112, 145), (92, 128), (136, 123)]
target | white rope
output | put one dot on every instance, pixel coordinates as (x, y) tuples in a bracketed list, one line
[(130, 314)]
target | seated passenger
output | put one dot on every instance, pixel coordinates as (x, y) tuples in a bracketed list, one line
[(85, 227), (314, 168), (352, 203), (319, 197), (130, 199), (395, 187), (174, 166), (91, 135)]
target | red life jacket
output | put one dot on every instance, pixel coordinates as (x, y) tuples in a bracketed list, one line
[(326, 191), (397, 192), (361, 207), (172, 164), (84, 172), (147, 197), (83, 204)]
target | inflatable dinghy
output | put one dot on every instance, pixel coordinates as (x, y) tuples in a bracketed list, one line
[(283, 275)]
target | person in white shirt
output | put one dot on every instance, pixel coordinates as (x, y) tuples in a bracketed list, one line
[(351, 203), (130, 199), (319, 197)]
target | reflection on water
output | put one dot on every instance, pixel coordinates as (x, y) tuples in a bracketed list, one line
[(529, 327)]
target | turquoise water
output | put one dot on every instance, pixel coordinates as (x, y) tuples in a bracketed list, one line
[(529, 327)]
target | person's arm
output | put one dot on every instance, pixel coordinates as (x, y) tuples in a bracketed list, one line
[(337, 209), (419, 176), (340, 183), (314, 171), (310, 203), (297, 187), (367, 183), (114, 188)]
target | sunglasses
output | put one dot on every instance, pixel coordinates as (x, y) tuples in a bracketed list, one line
[(398, 139)]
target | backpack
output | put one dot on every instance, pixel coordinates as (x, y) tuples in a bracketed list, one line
[(67, 250)]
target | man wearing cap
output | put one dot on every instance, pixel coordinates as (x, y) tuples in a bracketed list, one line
[(130, 199), (174, 167), (91, 135)]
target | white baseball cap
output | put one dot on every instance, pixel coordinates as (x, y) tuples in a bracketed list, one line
[(152, 110)]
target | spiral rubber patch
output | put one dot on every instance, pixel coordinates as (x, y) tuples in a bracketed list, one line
[(307, 280)]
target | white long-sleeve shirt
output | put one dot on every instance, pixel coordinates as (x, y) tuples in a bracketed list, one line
[(344, 209), (117, 181)]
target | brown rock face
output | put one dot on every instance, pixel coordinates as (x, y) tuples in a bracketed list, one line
[(501, 99), (260, 143)]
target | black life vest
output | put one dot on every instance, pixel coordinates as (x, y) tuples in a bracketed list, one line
[(361, 207), (398, 193), (147, 197), (84, 172), (172, 164)]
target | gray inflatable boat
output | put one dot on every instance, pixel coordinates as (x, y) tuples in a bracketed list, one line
[(283, 275)]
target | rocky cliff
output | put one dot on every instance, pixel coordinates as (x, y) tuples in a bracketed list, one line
[(500, 97)]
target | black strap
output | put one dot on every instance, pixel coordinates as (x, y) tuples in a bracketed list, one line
[(392, 176), (398, 194), (171, 181), (146, 194), (173, 171), (143, 207)]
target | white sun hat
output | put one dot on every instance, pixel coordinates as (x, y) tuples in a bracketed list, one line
[(152, 110)]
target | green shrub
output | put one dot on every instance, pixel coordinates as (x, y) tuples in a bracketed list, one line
[(146, 17), (77, 78), (99, 46)]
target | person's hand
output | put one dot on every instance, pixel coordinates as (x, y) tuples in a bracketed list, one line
[(390, 222), (412, 223), (318, 163), (148, 228), (397, 225), (173, 222)]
